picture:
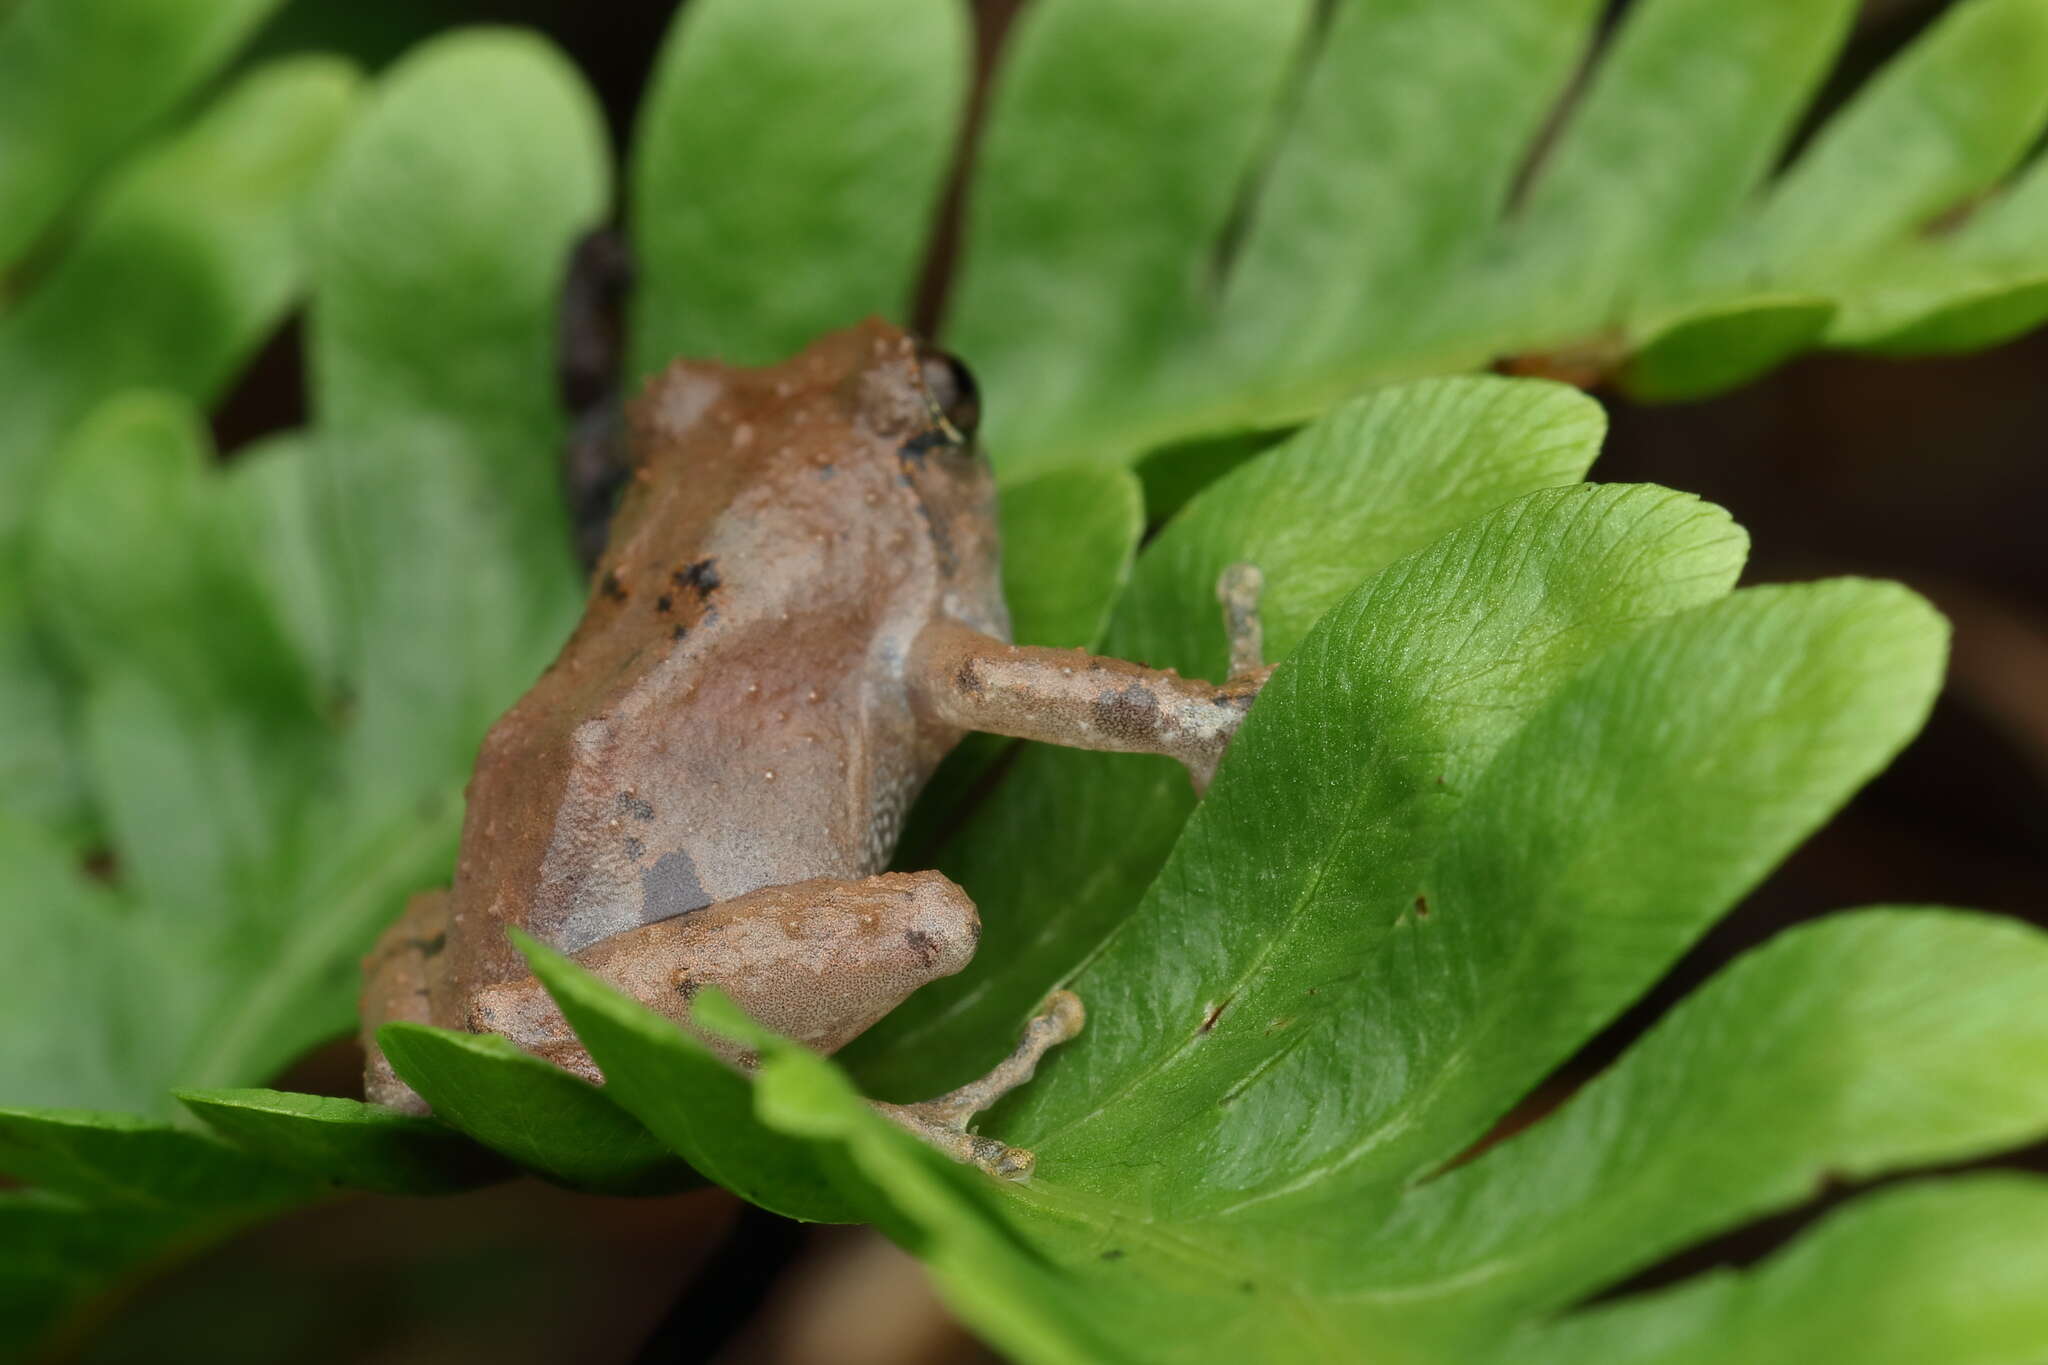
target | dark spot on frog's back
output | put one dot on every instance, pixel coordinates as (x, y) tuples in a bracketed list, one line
[(923, 945), (629, 804), (671, 888), (611, 587), (701, 577)]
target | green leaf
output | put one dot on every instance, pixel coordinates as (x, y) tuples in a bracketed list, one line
[(117, 1192), (1339, 501), (61, 64), (1362, 249), (1940, 124), (531, 1111), (1718, 737), (1723, 345), (1172, 475), (1302, 234), (1854, 1016), (440, 244), (1947, 1270), (294, 962), (1964, 285), (200, 800), (1944, 318), (786, 171), (139, 565), (197, 716), (1313, 1072), (55, 1252), (123, 1159), (41, 778), (270, 500), (795, 1129), (1223, 987), (1119, 136), (1374, 480), (444, 578), (180, 266), (345, 1140), (75, 955), (283, 846), (950, 1215), (1068, 540), (1053, 1275), (1689, 107)]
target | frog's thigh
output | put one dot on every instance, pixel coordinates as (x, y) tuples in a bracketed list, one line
[(399, 979), (817, 961)]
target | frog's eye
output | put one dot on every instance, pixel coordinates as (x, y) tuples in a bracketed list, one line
[(952, 390)]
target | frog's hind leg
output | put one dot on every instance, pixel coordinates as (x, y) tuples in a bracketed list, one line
[(399, 978), (942, 1122)]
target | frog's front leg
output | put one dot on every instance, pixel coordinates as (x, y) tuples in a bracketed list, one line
[(965, 678)]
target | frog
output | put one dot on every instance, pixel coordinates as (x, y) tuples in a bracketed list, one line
[(797, 614)]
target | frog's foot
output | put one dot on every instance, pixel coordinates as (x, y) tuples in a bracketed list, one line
[(942, 1122), (1237, 588)]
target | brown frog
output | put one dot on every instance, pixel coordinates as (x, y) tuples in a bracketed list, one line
[(798, 614)]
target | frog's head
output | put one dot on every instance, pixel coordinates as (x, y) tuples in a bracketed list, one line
[(868, 430), (922, 408), (942, 462)]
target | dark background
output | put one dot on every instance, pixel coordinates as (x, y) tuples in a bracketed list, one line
[(1931, 472)]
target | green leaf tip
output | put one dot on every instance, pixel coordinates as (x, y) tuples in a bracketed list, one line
[(530, 1111), (356, 1144), (126, 1159), (1723, 346)]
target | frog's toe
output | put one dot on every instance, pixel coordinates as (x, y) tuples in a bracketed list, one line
[(942, 1122)]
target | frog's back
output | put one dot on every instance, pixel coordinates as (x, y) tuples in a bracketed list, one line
[(731, 711)]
